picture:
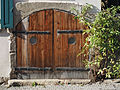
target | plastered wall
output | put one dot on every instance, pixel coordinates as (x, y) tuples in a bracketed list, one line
[(96, 3), (4, 54)]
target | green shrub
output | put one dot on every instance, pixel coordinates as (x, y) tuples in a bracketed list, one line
[(104, 41)]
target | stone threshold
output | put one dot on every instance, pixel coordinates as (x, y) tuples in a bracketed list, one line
[(30, 82), (43, 82)]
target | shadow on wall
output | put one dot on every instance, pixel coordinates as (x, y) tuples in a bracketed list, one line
[(4, 33), (92, 13), (18, 26), (95, 10), (21, 10)]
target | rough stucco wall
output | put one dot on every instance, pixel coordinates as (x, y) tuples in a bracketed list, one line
[(0, 13), (96, 3), (4, 54), (25, 8)]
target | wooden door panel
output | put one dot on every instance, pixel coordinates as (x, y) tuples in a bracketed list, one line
[(21, 43), (22, 50), (66, 54), (40, 53), (52, 48), (41, 21)]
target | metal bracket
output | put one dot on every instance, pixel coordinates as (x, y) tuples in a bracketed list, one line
[(32, 69), (50, 69), (32, 32), (69, 31)]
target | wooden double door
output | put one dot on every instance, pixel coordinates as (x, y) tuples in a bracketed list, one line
[(50, 39)]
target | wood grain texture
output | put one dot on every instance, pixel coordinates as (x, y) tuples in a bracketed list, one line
[(66, 54), (41, 53), (51, 50), (21, 41)]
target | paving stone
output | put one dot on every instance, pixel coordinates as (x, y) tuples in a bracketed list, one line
[(95, 86)]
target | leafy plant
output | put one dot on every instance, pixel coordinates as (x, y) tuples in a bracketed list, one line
[(34, 84), (103, 41)]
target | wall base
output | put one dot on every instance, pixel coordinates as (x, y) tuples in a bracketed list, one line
[(52, 75)]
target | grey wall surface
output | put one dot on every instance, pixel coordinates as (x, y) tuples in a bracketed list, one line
[(96, 3), (23, 9), (0, 14), (4, 54)]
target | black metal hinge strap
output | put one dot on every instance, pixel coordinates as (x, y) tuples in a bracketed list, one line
[(50, 69), (33, 69), (69, 31), (32, 32), (71, 69)]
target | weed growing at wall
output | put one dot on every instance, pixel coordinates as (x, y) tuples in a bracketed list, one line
[(103, 41)]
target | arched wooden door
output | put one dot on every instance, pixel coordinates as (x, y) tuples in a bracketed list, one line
[(50, 40)]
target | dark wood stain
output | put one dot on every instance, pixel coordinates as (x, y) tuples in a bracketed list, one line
[(51, 50)]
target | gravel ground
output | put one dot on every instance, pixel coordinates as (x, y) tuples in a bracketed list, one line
[(96, 86)]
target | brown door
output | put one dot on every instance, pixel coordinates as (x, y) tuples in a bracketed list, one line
[(68, 40), (50, 39)]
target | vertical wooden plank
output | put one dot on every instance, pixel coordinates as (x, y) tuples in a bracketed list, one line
[(50, 38), (41, 45), (18, 44), (44, 48), (24, 42), (70, 46), (48, 17), (35, 22), (21, 49), (65, 55), (45, 39), (63, 24), (56, 37), (19, 52), (41, 52), (31, 50), (68, 27), (60, 40), (75, 47), (74, 51)]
